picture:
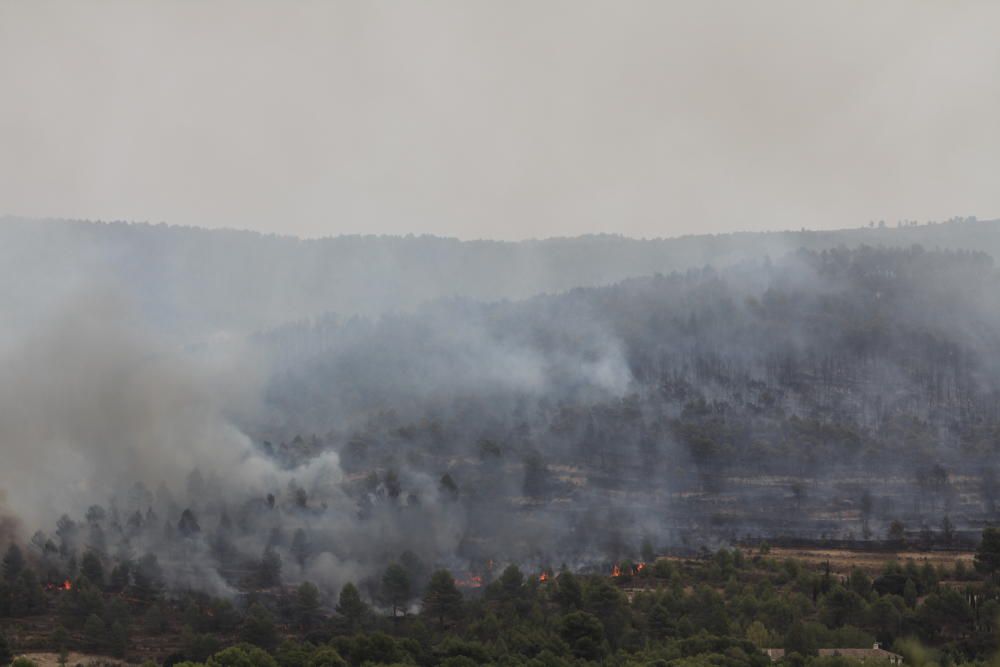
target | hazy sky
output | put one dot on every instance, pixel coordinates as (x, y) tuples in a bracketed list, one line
[(500, 119)]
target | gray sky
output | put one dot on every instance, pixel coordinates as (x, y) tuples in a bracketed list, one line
[(500, 119)]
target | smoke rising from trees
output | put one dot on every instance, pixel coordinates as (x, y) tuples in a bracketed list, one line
[(678, 410)]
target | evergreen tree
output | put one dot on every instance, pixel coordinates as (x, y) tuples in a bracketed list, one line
[(94, 631), (147, 577), (155, 619), (13, 563), (269, 570), (910, 593), (118, 639), (325, 656), (511, 582), (800, 640), (242, 656), (396, 587), (442, 600), (6, 655), (758, 634), (27, 596), (647, 551), (92, 568), (568, 593), (300, 547), (60, 639), (351, 607), (120, 577), (988, 554), (584, 634), (306, 605), (188, 524), (259, 628)]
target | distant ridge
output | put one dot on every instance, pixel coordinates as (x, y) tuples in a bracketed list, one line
[(199, 281)]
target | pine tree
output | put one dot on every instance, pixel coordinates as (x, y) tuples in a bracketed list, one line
[(259, 628), (300, 547), (94, 631), (306, 604), (13, 563), (5, 653), (568, 593), (188, 524), (442, 600), (351, 606), (269, 570), (396, 587), (27, 597), (987, 558), (118, 639), (92, 568)]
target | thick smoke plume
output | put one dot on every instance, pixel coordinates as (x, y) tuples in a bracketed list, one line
[(100, 413), (91, 400)]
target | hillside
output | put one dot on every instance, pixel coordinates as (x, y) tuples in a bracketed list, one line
[(199, 282)]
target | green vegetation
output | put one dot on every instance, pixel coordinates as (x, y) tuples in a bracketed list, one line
[(718, 610)]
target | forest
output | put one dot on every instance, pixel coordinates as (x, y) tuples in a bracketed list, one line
[(640, 442), (723, 609)]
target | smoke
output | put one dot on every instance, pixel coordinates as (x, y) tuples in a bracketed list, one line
[(91, 400), (335, 375), (687, 409), (97, 410), (10, 525)]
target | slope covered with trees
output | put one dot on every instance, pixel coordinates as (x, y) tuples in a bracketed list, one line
[(197, 282), (722, 609), (864, 380)]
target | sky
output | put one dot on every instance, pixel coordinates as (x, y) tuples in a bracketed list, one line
[(504, 119)]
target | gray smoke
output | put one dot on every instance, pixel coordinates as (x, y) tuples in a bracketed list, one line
[(91, 398)]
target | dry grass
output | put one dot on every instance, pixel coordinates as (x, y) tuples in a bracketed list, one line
[(87, 660), (842, 561)]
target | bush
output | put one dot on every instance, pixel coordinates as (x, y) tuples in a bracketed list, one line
[(242, 655)]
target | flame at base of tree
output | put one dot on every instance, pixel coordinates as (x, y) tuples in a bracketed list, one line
[(67, 585), (628, 570)]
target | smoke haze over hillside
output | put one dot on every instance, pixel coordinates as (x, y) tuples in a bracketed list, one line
[(562, 427), (517, 334)]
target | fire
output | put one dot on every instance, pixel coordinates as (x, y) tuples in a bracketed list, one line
[(618, 571), (543, 577), (472, 581), (64, 586)]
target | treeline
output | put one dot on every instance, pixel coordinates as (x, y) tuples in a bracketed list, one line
[(718, 610), (197, 281)]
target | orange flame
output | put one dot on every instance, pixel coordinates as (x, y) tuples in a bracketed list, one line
[(67, 585), (618, 571), (543, 577), (472, 581)]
